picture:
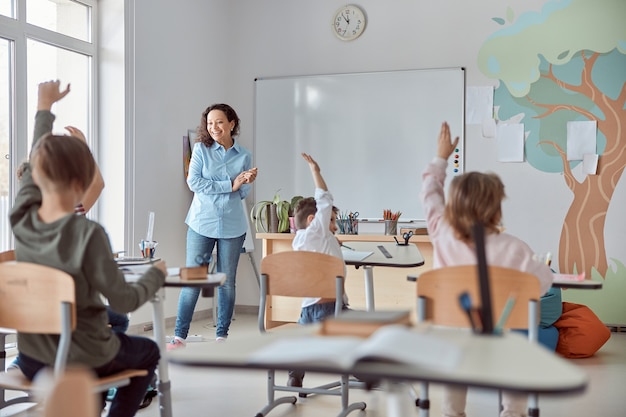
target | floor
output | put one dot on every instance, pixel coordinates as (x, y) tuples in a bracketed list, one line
[(216, 392)]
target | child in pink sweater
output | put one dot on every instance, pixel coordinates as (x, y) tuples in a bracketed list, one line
[(473, 197)]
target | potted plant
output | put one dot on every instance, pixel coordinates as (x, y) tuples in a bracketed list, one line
[(271, 216)]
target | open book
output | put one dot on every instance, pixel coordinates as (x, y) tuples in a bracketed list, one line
[(389, 344)]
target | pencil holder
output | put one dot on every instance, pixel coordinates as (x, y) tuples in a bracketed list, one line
[(348, 226), (391, 227)]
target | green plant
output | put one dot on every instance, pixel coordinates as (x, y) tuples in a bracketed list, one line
[(271, 216), (293, 203)]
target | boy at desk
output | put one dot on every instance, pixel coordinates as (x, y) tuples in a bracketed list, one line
[(48, 233), (316, 224)]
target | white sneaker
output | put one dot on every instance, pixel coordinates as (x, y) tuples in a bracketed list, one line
[(220, 339)]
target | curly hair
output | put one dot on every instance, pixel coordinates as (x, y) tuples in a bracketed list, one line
[(203, 134), (474, 197)]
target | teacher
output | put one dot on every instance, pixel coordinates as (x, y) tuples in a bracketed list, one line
[(220, 175)]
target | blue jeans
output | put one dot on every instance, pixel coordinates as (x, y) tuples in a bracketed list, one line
[(314, 314), (135, 352), (228, 251)]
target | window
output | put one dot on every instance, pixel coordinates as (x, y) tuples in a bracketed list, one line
[(42, 40)]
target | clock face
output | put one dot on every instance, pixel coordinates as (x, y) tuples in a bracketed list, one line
[(349, 22)]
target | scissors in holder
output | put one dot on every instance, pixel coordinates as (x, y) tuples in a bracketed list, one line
[(407, 236)]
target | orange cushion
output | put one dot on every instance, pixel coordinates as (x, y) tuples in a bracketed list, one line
[(581, 333)]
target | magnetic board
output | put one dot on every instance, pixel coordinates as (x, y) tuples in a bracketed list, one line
[(371, 133)]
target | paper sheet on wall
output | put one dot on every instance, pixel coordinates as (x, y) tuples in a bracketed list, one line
[(510, 142), (581, 139), (590, 164), (478, 105)]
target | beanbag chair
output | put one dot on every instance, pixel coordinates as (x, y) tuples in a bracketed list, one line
[(581, 333)]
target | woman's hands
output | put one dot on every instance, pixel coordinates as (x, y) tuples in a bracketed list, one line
[(444, 146), (246, 177)]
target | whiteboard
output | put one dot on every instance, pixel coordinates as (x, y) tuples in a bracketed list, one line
[(371, 133)]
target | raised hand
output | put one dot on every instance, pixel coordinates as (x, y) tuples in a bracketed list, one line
[(49, 93), (76, 132), (444, 146)]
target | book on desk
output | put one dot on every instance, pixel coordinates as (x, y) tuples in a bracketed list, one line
[(394, 344), (363, 323)]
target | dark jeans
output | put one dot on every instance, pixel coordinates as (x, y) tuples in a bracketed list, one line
[(135, 352), (118, 321)]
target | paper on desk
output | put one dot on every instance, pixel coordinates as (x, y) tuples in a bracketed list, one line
[(354, 255)]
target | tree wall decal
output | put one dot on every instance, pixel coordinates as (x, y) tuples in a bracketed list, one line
[(566, 63)]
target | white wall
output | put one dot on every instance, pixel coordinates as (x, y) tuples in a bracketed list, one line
[(191, 53)]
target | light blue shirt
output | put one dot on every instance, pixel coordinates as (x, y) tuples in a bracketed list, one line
[(216, 210)]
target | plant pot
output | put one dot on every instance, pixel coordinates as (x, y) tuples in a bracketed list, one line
[(272, 219)]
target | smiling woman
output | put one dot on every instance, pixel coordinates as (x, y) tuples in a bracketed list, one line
[(220, 176)]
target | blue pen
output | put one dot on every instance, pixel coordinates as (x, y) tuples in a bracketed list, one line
[(466, 304), (347, 247)]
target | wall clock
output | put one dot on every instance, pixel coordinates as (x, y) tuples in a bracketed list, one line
[(349, 22)]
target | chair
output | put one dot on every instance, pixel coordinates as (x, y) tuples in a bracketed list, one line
[(40, 299), (69, 395), (438, 293), (301, 274)]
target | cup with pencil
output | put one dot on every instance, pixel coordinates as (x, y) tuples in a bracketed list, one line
[(391, 221)]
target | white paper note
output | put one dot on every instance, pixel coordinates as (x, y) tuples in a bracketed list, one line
[(510, 142), (581, 139)]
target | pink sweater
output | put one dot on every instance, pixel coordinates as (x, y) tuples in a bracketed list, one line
[(501, 249)]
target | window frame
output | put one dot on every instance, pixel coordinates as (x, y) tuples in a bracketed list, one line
[(17, 31)]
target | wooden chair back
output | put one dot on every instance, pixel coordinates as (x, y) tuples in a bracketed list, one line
[(438, 293), (299, 274), (8, 255), (70, 395), (40, 299)]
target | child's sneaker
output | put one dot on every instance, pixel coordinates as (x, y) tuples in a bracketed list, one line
[(220, 339), (176, 343)]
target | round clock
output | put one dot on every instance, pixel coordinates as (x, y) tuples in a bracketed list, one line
[(349, 22)]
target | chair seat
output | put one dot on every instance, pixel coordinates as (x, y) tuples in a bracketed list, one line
[(16, 381)]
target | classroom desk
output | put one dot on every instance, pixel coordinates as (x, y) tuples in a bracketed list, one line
[(585, 284), (390, 285), (400, 257), (496, 362), (173, 280)]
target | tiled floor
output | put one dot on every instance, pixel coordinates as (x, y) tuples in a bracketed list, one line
[(217, 392)]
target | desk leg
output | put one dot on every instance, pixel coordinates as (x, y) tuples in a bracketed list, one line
[(399, 403), (369, 287), (165, 395)]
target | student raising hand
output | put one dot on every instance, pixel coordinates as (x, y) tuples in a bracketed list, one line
[(444, 146)]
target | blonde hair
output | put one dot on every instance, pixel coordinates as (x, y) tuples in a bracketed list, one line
[(474, 197), (63, 161)]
